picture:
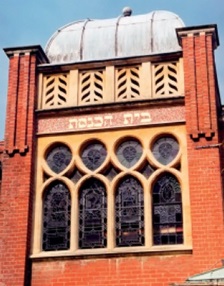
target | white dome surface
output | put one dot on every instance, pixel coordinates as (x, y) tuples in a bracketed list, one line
[(89, 40)]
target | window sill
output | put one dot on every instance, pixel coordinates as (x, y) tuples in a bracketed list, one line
[(137, 251)]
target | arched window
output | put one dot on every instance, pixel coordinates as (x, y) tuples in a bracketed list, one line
[(126, 188), (129, 213), (56, 217), (92, 215), (167, 211)]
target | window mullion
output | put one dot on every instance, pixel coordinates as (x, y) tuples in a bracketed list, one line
[(147, 215), (74, 221), (110, 219)]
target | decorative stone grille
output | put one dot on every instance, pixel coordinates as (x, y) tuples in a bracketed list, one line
[(91, 87), (55, 91), (128, 84), (111, 84), (165, 80)]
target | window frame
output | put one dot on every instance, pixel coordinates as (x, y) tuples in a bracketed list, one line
[(111, 139)]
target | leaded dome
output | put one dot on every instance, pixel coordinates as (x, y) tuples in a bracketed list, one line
[(125, 36)]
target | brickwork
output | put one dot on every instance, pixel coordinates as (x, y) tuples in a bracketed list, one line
[(205, 194), (17, 173), (203, 144), (114, 271), (1, 150), (1, 158), (155, 269), (140, 270), (200, 90)]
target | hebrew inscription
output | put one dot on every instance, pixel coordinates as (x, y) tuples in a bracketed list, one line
[(110, 120)]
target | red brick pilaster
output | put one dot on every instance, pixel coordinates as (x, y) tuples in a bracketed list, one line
[(21, 99), (202, 106), (200, 80), (17, 165)]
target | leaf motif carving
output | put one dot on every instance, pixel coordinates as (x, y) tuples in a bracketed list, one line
[(166, 79), (128, 84), (55, 91), (92, 86)]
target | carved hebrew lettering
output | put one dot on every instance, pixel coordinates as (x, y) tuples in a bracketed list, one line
[(108, 120), (98, 121), (90, 122), (136, 115), (128, 118), (82, 122), (145, 117), (72, 123)]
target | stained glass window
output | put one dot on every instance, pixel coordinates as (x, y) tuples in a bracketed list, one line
[(129, 211), (147, 170), (59, 158), (56, 218), (92, 215), (109, 184), (94, 155), (129, 152), (165, 149), (167, 211)]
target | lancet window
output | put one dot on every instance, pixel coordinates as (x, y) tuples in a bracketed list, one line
[(115, 194)]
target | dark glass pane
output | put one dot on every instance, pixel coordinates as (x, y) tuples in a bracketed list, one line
[(110, 172), (76, 176), (146, 170), (178, 167), (129, 152), (167, 211), (94, 155), (92, 215), (59, 158), (56, 218), (165, 149), (129, 209), (45, 177)]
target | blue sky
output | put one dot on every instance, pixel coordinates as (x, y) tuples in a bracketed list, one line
[(32, 22)]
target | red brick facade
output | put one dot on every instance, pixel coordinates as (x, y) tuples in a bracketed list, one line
[(202, 111), (202, 104), (17, 167)]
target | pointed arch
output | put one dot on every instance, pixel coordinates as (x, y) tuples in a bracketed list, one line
[(56, 217), (92, 214), (129, 210), (167, 210)]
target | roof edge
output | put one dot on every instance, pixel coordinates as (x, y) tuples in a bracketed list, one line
[(195, 30), (34, 49)]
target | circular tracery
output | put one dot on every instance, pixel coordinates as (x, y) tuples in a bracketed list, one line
[(129, 152), (93, 155), (128, 203), (58, 158), (165, 149)]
